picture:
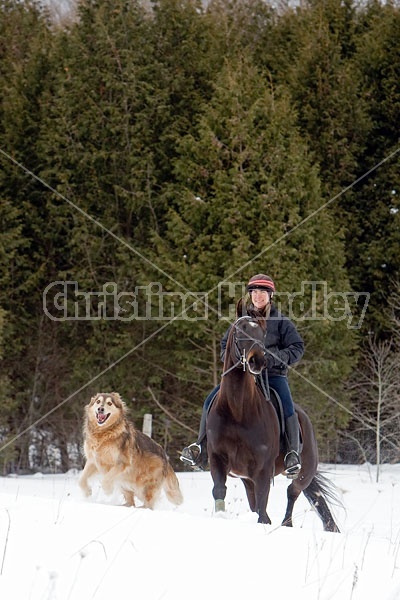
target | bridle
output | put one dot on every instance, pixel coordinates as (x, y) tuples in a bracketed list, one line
[(241, 356)]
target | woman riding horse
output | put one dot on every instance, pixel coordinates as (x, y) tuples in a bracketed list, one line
[(284, 347)]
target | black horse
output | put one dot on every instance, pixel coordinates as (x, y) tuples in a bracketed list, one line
[(243, 433)]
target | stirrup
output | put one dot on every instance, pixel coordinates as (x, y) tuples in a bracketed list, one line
[(188, 457), (293, 471)]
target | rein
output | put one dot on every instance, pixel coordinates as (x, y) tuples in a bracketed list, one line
[(239, 362), (241, 358)]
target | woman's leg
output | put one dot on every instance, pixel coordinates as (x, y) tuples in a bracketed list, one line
[(196, 454), (206, 407), (280, 384)]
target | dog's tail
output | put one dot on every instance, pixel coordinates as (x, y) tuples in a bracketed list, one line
[(171, 487)]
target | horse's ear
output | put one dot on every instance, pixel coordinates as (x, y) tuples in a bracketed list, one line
[(241, 309)]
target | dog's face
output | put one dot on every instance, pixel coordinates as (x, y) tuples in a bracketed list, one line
[(105, 409)]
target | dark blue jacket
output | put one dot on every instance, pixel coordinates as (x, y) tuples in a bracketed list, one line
[(283, 343)]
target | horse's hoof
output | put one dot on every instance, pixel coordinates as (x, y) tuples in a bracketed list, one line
[(220, 506), (264, 521), (287, 523)]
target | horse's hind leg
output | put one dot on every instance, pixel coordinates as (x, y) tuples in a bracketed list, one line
[(293, 492), (316, 494)]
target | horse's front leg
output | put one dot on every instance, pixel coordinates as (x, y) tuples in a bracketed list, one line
[(262, 487), (219, 473), (249, 487)]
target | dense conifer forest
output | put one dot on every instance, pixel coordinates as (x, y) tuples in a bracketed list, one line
[(155, 155)]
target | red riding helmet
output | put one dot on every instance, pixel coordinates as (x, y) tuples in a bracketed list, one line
[(261, 282)]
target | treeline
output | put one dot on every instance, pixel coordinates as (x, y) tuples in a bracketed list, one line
[(154, 155)]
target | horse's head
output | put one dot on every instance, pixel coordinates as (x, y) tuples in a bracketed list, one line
[(248, 335)]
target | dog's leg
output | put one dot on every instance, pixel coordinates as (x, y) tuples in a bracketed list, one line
[(151, 493), (107, 484), (129, 497), (112, 476), (88, 471)]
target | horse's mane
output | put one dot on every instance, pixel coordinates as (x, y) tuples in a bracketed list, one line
[(245, 310)]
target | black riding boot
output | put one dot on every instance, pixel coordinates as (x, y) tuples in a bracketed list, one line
[(292, 458), (196, 455)]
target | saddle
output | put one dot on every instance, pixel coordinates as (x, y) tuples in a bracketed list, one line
[(272, 396)]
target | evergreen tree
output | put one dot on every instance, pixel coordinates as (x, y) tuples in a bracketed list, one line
[(246, 189), (126, 91), (316, 44), (372, 214), (175, 151), (25, 68)]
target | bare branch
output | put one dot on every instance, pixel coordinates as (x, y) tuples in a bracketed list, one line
[(168, 413)]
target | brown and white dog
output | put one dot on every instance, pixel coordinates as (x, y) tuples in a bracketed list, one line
[(125, 458)]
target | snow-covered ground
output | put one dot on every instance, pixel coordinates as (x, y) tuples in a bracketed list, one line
[(54, 545)]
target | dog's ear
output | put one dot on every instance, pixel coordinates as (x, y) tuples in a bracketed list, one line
[(93, 399), (117, 399)]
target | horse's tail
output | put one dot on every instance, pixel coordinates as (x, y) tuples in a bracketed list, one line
[(171, 487), (319, 493)]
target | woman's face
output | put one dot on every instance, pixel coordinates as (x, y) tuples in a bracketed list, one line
[(260, 298)]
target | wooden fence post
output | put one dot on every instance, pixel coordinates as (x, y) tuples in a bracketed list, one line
[(147, 424)]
